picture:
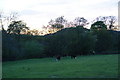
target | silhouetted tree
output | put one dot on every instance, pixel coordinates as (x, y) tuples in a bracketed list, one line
[(10, 48), (111, 20), (60, 20), (33, 49), (2, 19), (105, 42), (80, 21), (5, 20), (108, 20), (99, 25), (32, 32), (58, 23), (16, 27)]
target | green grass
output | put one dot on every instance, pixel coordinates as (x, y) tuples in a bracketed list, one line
[(98, 66)]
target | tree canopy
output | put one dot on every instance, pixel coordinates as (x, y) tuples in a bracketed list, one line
[(16, 27), (99, 25)]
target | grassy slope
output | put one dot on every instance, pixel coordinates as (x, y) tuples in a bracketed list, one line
[(83, 66)]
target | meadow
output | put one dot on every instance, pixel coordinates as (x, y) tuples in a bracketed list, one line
[(89, 66)]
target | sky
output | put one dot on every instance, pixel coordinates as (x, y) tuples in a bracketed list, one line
[(37, 13)]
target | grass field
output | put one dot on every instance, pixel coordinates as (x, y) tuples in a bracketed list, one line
[(97, 66)]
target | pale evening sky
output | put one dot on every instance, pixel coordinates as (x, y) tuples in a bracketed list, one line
[(37, 13)]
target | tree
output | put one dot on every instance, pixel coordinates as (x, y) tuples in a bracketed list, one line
[(105, 42), (2, 19), (5, 20), (100, 18), (83, 42), (11, 49), (104, 39), (111, 20), (33, 49), (99, 25), (58, 22), (80, 21), (32, 32), (51, 22), (16, 27), (11, 17), (108, 20), (70, 24)]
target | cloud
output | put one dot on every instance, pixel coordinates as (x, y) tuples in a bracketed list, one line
[(39, 12)]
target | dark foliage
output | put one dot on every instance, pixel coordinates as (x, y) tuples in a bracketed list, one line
[(66, 42)]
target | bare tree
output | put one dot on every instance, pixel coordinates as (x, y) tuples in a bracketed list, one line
[(111, 20), (80, 21), (2, 20), (58, 22), (5, 20), (69, 24), (51, 22), (108, 20), (11, 17)]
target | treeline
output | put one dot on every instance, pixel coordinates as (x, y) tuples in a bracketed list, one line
[(68, 41)]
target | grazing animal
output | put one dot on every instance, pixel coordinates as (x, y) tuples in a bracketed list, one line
[(73, 56), (58, 58), (93, 52)]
